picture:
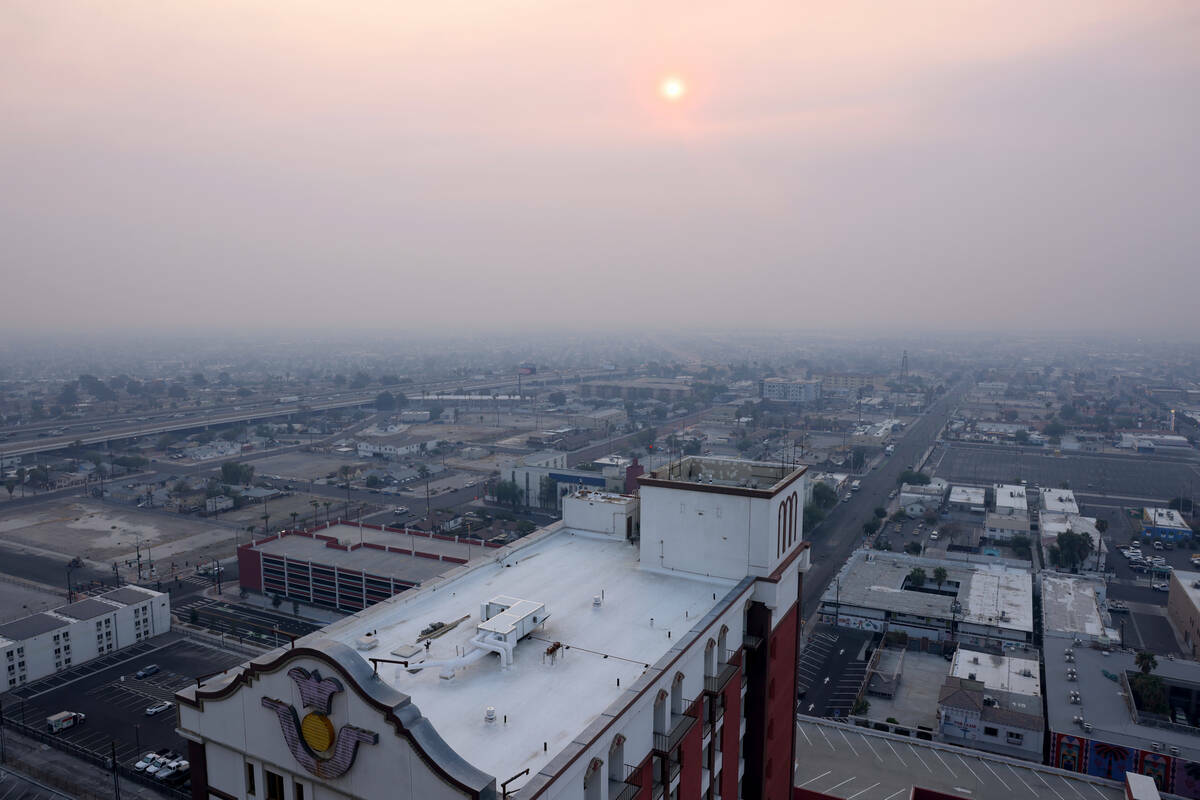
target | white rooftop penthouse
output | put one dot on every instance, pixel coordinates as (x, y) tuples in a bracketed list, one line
[(1010, 499), (1059, 500)]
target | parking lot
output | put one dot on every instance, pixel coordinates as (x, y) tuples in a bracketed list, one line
[(115, 701), (18, 787), (1142, 476), (850, 762)]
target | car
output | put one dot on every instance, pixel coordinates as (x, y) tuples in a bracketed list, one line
[(1160, 587), (1158, 545), (176, 770), (933, 536), (400, 510), (158, 708), (846, 499), (146, 671), (158, 764), (146, 760)]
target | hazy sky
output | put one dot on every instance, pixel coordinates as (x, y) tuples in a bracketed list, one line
[(282, 163)]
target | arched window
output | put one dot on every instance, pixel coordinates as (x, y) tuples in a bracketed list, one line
[(710, 659), (616, 759), (660, 713), (781, 524), (723, 644), (592, 779), (677, 695)]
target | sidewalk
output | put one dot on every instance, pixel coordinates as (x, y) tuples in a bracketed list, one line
[(64, 773)]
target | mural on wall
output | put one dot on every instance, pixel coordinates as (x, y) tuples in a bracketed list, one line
[(313, 742), (1110, 761), (1157, 766), (1186, 778), (1070, 753)]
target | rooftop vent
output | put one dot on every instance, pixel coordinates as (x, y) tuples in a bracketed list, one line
[(1173, 750), (489, 715), (1087, 726)]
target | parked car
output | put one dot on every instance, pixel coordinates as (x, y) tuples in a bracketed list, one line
[(933, 535), (1160, 587), (172, 769), (158, 764), (146, 671), (158, 708), (146, 760)]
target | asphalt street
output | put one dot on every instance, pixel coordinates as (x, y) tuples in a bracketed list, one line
[(841, 531)]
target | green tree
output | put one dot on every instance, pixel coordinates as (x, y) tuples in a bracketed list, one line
[(1054, 430), (198, 379), (266, 518), (871, 526), (1021, 546), (823, 496), (913, 478), (1071, 549), (916, 577), (1146, 662), (939, 576), (912, 548), (177, 391), (11, 485), (880, 512), (1022, 436), (556, 398), (234, 473), (374, 482), (508, 493), (384, 401), (295, 515)]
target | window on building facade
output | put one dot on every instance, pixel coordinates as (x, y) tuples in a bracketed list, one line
[(250, 787), (991, 732), (274, 785)]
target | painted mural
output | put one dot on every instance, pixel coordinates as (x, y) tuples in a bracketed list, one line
[(1110, 761), (1157, 766), (1069, 753), (1187, 778)]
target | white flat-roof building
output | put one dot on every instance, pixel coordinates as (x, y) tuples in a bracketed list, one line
[(1076, 607), (51, 641), (574, 663), (1010, 499), (994, 703), (978, 604), (968, 499), (1003, 527), (1059, 500), (1164, 523), (1051, 524)]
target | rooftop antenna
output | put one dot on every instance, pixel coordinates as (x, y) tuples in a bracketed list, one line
[(904, 366)]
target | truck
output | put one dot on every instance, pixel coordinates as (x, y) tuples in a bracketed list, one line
[(891, 448), (854, 487), (291, 398), (57, 723)]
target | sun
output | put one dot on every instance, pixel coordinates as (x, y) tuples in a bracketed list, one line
[(672, 88)]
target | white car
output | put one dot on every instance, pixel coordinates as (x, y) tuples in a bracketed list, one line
[(158, 708), (145, 761), (933, 535), (157, 765), (1160, 587)]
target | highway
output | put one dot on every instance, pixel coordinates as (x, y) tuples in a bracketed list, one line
[(841, 532), (158, 423)]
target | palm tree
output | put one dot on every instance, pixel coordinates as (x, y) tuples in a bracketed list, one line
[(1146, 662), (939, 576), (916, 577), (316, 504), (327, 504), (423, 473), (21, 479), (266, 518), (294, 515)]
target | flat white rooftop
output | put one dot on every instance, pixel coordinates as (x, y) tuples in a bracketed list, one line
[(1010, 497), (1071, 605), (1060, 500), (967, 495), (1190, 582), (1164, 518), (999, 673), (541, 698)]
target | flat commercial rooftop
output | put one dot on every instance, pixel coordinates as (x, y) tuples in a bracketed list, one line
[(845, 761), (1072, 605), (87, 609), (1104, 706), (1060, 500), (398, 565), (128, 595), (1010, 497), (1017, 674), (32, 625), (540, 698), (1190, 581), (989, 594)]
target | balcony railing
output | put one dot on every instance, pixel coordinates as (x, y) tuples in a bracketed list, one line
[(715, 684), (628, 788), (680, 724)]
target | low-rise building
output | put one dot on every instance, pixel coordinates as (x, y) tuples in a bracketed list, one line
[(993, 702), (1183, 608), (803, 391), (1061, 501), (1010, 499), (916, 499), (1051, 524), (42, 644), (982, 604), (1166, 524), (396, 446), (1004, 527), (1103, 724), (968, 499), (603, 512), (1075, 608)]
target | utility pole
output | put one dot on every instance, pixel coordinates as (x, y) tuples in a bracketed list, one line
[(116, 778)]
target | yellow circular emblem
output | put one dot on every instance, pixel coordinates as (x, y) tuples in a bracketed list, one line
[(317, 731)]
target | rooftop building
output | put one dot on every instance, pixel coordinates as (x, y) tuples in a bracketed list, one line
[(1164, 523), (970, 499), (349, 567), (1051, 524), (790, 390), (574, 663), (978, 604), (1183, 608), (42, 644), (1100, 727), (1059, 500), (1075, 607), (1010, 499)]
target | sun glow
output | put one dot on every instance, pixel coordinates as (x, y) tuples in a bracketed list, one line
[(672, 89)]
